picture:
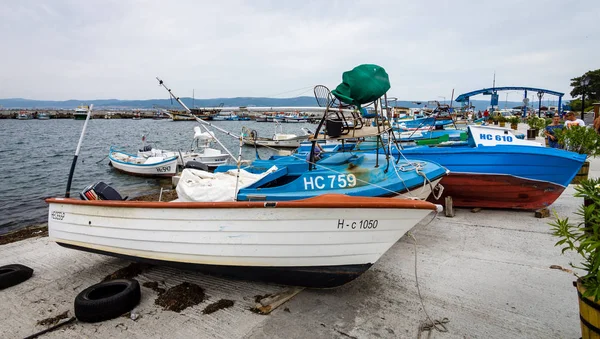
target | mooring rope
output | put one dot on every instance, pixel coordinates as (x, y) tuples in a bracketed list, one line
[(438, 325)]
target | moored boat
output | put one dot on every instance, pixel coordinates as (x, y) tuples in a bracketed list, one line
[(23, 116), (43, 116), (278, 140), (294, 118), (200, 152), (80, 112), (178, 116), (319, 242), (495, 169), (261, 118), (156, 166)]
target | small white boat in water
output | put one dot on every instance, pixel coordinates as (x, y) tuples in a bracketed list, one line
[(43, 116), (80, 112), (201, 151), (324, 241), (278, 140), (294, 118), (23, 116), (155, 166)]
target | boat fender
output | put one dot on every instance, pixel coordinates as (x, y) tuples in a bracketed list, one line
[(11, 275), (196, 165), (107, 300)]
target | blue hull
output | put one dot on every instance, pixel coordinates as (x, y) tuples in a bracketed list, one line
[(453, 134), (340, 173), (529, 162), (424, 122)]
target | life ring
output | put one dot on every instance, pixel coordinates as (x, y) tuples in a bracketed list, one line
[(11, 275), (107, 300)]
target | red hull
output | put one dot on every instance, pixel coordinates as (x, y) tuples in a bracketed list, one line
[(498, 191)]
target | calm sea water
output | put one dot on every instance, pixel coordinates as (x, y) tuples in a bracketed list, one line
[(36, 156)]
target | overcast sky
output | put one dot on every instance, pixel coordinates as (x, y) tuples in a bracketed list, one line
[(92, 49)]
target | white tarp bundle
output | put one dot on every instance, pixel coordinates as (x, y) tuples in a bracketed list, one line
[(197, 185)]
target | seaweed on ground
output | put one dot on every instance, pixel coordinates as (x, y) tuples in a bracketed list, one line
[(219, 305), (127, 272), (180, 297), (26, 233)]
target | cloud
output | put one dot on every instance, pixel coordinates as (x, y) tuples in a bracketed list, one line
[(114, 49)]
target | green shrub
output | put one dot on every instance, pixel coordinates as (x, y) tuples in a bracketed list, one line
[(580, 139), (584, 237)]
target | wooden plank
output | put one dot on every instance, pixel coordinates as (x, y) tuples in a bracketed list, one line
[(268, 304), (542, 213), (449, 208), (357, 133)]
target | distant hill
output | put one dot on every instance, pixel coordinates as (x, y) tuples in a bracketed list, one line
[(304, 101)]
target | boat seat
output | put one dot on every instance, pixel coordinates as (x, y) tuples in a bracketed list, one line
[(336, 159), (270, 177), (211, 151)]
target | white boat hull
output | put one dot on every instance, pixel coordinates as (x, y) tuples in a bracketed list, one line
[(213, 159), (165, 168), (284, 238), (293, 120)]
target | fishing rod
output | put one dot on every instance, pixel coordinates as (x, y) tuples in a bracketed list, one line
[(162, 83), (87, 118)]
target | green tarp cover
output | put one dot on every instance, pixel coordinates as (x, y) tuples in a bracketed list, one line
[(363, 84)]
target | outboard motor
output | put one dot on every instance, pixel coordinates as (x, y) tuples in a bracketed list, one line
[(146, 148), (100, 191), (196, 165)]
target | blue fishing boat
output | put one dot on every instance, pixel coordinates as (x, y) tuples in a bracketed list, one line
[(349, 173), (310, 173), (495, 169), (424, 122)]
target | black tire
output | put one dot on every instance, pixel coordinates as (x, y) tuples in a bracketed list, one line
[(11, 275), (107, 300)]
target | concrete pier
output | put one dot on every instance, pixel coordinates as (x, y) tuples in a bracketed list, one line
[(488, 273)]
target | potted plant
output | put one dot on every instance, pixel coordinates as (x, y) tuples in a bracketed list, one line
[(514, 121), (536, 125), (502, 120), (582, 140), (584, 238), (494, 119)]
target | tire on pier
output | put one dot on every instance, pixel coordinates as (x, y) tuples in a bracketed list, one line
[(107, 300), (11, 275)]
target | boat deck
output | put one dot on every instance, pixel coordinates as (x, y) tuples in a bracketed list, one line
[(488, 273), (363, 132)]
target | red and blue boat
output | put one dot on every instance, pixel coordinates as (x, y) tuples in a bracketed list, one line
[(495, 169)]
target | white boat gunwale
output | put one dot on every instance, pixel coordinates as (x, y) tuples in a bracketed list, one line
[(322, 201), (170, 159)]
